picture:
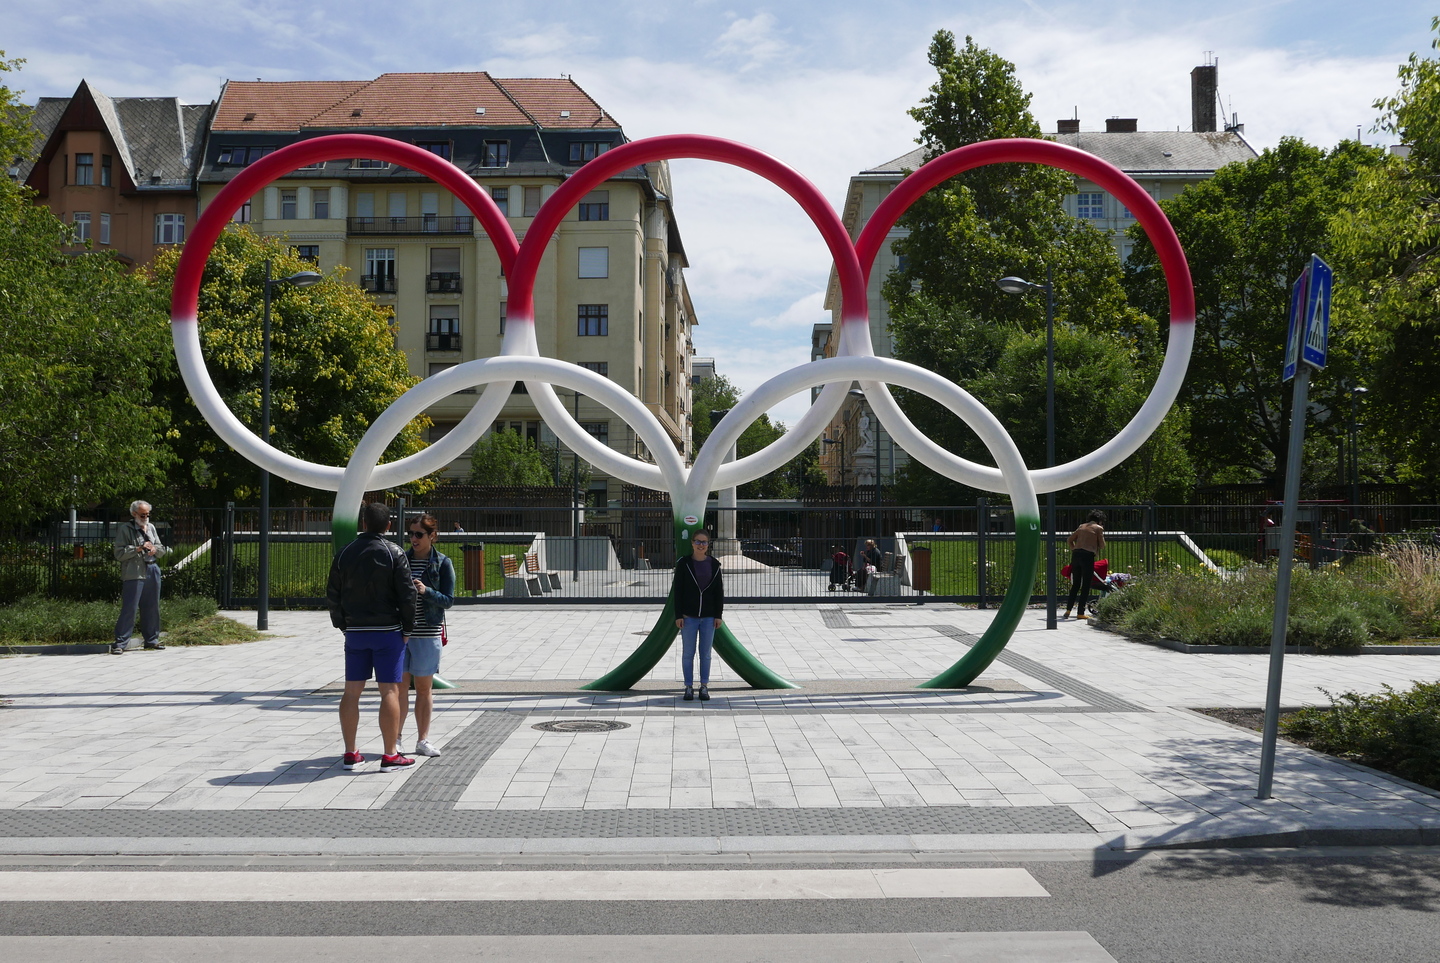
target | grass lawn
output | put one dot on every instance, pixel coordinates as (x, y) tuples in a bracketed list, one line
[(43, 621), (953, 563), (300, 569)]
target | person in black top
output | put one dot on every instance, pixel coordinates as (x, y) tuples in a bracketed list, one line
[(372, 600), (699, 595)]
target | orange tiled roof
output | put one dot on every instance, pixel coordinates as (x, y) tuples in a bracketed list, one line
[(409, 100)]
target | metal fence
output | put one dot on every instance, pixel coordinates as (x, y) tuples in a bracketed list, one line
[(626, 554)]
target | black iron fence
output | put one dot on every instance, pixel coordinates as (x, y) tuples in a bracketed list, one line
[(626, 553)]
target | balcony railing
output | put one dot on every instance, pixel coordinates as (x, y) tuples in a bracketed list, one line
[(425, 224), (442, 342), (378, 283), (443, 283)]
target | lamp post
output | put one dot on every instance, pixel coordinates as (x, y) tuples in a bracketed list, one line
[(301, 279), (575, 504), (1355, 394), (1015, 285)]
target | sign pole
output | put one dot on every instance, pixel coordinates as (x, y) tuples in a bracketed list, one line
[(1282, 581)]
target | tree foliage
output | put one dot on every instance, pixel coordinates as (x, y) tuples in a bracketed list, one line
[(948, 315), (81, 341), (507, 458), (1387, 239), (1247, 234), (334, 368)]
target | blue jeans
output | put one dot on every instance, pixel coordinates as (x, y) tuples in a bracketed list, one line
[(705, 630), (140, 595)]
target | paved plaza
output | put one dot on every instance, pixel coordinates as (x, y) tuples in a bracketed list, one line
[(1073, 739)]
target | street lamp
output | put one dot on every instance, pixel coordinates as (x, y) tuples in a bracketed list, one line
[(1015, 285), (301, 279), (1355, 394)]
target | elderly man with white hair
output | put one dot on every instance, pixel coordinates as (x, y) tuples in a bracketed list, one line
[(137, 547)]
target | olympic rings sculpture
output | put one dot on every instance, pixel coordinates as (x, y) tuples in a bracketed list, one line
[(520, 360)]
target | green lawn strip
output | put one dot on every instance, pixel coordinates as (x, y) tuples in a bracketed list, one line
[(955, 562), (43, 621), (301, 569)]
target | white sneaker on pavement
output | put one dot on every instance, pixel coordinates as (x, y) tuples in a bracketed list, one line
[(423, 748)]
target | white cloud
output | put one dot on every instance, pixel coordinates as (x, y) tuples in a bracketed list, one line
[(750, 43), (800, 316)]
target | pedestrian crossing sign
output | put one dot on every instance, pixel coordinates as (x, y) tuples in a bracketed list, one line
[(1307, 338)]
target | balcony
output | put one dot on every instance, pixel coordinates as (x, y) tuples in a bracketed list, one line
[(443, 283), (378, 283), (442, 342), (425, 224)]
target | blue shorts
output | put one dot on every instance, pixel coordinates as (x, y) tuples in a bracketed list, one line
[(422, 655), (380, 652)]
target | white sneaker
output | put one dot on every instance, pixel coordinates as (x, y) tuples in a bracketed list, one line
[(423, 748)]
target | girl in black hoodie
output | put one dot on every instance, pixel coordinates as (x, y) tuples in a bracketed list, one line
[(699, 597)]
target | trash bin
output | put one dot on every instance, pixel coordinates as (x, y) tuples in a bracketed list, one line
[(920, 568), (474, 566)]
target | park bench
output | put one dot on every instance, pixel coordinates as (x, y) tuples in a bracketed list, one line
[(549, 580), (518, 582)]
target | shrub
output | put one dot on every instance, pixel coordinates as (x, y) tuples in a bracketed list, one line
[(1398, 732), (1413, 579), (1227, 559), (38, 620)]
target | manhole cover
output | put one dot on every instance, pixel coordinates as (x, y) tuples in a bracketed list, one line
[(580, 725)]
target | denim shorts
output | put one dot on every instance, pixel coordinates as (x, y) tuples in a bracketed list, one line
[(422, 655), (380, 652)]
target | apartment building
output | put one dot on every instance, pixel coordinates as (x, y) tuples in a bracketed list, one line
[(1163, 162), (611, 292), (119, 170)]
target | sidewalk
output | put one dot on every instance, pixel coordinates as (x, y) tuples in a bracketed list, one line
[(1073, 739)]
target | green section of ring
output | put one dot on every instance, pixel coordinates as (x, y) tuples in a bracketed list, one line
[(1017, 598), (649, 652), (342, 532)]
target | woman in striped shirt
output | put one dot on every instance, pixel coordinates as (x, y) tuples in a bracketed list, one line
[(434, 577)]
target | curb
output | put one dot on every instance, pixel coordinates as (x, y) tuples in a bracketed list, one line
[(1175, 646)]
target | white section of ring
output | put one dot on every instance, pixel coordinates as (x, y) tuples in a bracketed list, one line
[(186, 336), (360, 472), (1135, 433)]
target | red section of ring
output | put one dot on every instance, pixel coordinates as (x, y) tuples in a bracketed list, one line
[(1020, 150), (185, 298)]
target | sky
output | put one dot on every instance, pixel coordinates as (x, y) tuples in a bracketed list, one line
[(823, 86)]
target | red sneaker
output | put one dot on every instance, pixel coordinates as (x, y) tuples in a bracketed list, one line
[(397, 761), (352, 759)]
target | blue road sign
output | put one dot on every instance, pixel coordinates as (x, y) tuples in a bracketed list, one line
[(1294, 331), (1317, 313)]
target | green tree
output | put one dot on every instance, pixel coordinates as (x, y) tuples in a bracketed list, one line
[(947, 314), (81, 341), (506, 458), (334, 368), (1247, 234), (1387, 238)]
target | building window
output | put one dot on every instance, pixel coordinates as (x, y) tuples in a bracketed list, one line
[(320, 203), (594, 320), (497, 154), (599, 430), (169, 228), (105, 170), (444, 276), (312, 166), (308, 252), (440, 148), (380, 261), (582, 151), (594, 262), (532, 201), (595, 206), (443, 333), (288, 205), (240, 156), (367, 164), (242, 213), (365, 206), (601, 368), (503, 307), (84, 169), (81, 222), (429, 210), (104, 228), (501, 197), (1090, 206)]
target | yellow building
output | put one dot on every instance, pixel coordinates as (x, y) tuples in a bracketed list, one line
[(611, 291)]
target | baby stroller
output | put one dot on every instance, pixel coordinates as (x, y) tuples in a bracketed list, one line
[(841, 578)]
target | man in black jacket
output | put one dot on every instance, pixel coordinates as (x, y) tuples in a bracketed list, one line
[(372, 600)]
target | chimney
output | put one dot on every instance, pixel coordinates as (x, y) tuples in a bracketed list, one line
[(1120, 125), (1204, 93), (1067, 126)]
